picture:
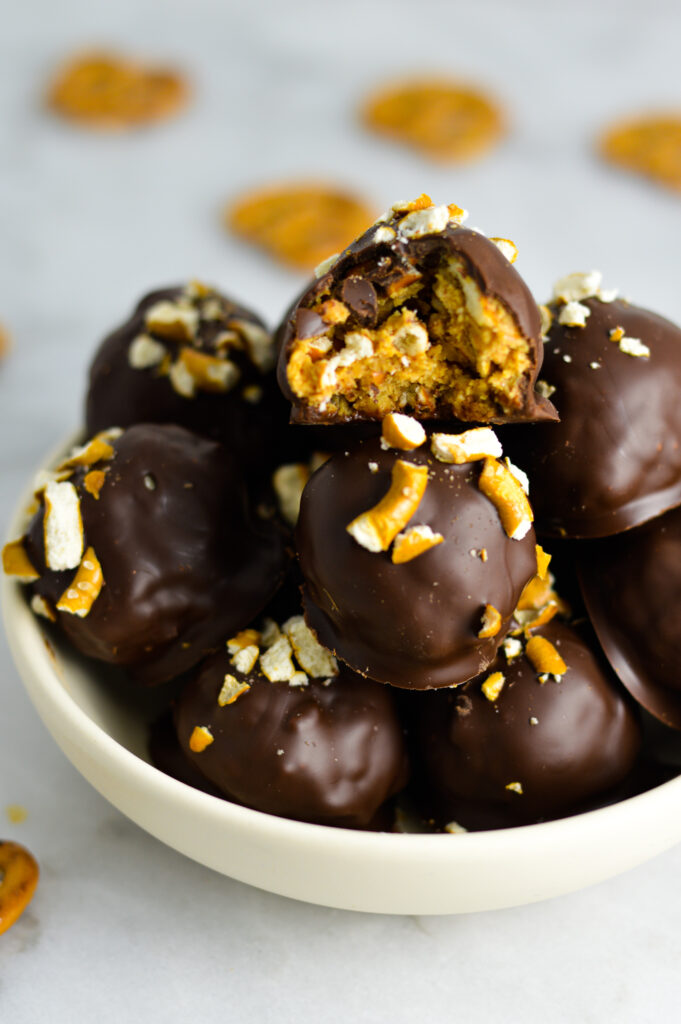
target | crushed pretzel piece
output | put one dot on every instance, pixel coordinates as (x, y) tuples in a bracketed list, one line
[(507, 247), (41, 607), (259, 342), (176, 321), (325, 266), (574, 314), (404, 206), (515, 787), (232, 688), (245, 660), (97, 449), (522, 477), (546, 320), (200, 738), (317, 459), (94, 481), (454, 829), (210, 373), (634, 347), (430, 221), (414, 542), (15, 562), (314, 659), (616, 334), (512, 648), (108, 91), (145, 352), (276, 664), (84, 589), (508, 497), (544, 657), (181, 379), (535, 594), (411, 339), (545, 615), (491, 622), (300, 224), (543, 562), (298, 679), (377, 528), (18, 880), (470, 446), (493, 685), (577, 286), (269, 632), (62, 526), (245, 638), (402, 432), (289, 482), (544, 389)]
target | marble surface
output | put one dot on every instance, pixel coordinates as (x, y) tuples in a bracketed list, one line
[(122, 928)]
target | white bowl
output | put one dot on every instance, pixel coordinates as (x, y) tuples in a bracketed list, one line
[(103, 734)]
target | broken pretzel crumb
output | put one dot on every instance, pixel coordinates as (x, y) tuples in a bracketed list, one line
[(414, 542), (377, 528)]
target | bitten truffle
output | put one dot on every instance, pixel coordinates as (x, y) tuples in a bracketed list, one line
[(274, 723), (517, 745), (614, 373), (414, 560), (418, 316), (632, 589), (144, 551), (191, 356)]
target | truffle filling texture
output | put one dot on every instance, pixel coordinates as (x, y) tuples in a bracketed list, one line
[(438, 347)]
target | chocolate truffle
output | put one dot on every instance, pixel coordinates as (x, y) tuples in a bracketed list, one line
[(614, 373), (418, 316), (432, 609), (632, 589), (509, 748), (144, 550), (191, 356), (274, 723)]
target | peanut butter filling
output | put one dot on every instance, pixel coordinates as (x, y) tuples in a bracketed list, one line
[(439, 347)]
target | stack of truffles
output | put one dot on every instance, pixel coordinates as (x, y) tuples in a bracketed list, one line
[(330, 547)]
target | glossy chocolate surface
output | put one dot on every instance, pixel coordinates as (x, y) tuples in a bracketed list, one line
[(585, 741), (184, 562), (414, 624), (632, 589), (120, 395), (327, 754), (368, 267), (614, 460)]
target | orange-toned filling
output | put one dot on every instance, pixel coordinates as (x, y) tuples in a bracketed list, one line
[(439, 347)]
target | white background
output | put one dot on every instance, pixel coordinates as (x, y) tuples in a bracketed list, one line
[(123, 929)]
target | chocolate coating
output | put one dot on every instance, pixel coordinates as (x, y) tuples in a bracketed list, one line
[(254, 431), (614, 460), (183, 563), (632, 589), (368, 267), (327, 754), (167, 755), (585, 742), (414, 624)]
